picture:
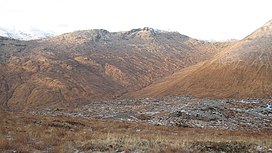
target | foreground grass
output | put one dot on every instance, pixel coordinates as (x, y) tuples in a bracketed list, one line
[(26, 133)]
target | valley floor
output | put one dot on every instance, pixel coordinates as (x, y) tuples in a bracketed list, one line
[(182, 111)]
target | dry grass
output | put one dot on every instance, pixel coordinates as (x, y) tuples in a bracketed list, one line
[(5, 144), (26, 133)]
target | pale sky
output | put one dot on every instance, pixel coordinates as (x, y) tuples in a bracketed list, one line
[(202, 19)]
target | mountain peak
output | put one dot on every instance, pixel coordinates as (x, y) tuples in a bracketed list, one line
[(143, 33), (82, 36), (269, 23), (264, 31), (144, 29), (148, 29)]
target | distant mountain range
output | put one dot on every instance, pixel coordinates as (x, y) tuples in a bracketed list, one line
[(88, 65), (29, 33)]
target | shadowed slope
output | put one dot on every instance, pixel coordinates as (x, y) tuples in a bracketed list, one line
[(82, 66)]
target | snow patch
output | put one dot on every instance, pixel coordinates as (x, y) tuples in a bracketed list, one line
[(26, 33)]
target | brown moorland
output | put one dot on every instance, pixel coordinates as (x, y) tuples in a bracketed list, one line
[(21, 132)]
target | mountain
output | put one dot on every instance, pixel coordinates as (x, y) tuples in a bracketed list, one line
[(28, 33), (242, 70), (83, 66)]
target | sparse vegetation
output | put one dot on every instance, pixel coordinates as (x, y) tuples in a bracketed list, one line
[(26, 133)]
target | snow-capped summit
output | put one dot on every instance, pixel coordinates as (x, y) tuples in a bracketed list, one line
[(27, 33)]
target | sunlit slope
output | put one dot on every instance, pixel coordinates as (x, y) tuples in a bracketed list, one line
[(242, 70)]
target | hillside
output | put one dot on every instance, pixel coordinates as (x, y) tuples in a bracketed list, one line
[(242, 70), (83, 66)]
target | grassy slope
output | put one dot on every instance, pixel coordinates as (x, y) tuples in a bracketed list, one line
[(242, 70)]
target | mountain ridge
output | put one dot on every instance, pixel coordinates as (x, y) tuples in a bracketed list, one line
[(242, 70), (83, 66)]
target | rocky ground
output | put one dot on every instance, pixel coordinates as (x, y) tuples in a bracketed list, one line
[(183, 111)]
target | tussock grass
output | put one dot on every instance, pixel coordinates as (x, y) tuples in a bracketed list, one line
[(5, 144), (26, 133)]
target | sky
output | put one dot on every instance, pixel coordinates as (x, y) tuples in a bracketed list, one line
[(201, 19)]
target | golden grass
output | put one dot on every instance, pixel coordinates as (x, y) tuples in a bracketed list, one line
[(5, 144), (26, 133)]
